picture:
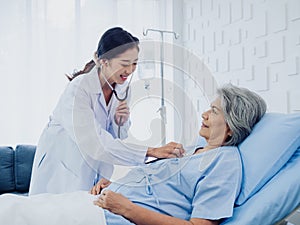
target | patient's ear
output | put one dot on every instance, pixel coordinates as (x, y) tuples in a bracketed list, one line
[(228, 131), (229, 135)]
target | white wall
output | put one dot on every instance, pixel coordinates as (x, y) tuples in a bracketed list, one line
[(41, 40), (251, 43)]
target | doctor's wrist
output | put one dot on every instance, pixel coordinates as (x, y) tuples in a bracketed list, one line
[(151, 152)]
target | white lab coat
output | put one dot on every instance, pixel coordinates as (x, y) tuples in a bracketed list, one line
[(80, 140)]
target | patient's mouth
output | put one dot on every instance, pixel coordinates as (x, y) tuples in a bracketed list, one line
[(203, 125)]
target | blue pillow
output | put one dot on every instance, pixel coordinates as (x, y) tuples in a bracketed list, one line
[(24, 155), (7, 181), (266, 150), (276, 200)]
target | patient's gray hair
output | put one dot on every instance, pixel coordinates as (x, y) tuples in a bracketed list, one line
[(242, 110)]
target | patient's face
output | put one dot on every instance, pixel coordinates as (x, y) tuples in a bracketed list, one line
[(214, 128)]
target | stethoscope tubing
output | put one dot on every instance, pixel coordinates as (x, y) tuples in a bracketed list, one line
[(119, 99)]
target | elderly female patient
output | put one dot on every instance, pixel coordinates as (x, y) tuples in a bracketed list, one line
[(198, 189)]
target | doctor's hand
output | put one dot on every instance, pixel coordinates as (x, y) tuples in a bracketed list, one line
[(101, 184), (114, 202), (122, 111), (170, 150)]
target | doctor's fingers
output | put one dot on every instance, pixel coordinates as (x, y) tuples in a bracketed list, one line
[(123, 111), (177, 148), (122, 105), (174, 153), (175, 145), (121, 118), (167, 152), (178, 152), (124, 114)]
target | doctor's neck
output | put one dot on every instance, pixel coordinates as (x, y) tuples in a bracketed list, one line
[(105, 83)]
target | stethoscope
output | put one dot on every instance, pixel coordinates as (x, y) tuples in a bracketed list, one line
[(115, 92), (118, 98)]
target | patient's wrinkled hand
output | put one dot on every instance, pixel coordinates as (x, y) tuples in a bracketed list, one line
[(114, 202), (101, 184)]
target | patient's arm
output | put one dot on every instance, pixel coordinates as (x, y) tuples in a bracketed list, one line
[(101, 184), (118, 204)]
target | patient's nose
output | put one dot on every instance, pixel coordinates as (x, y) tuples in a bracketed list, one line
[(205, 115)]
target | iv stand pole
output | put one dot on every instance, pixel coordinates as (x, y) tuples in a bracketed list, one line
[(162, 108)]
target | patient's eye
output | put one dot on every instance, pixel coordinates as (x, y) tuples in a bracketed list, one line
[(214, 110)]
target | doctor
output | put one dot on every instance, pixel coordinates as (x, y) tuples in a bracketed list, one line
[(82, 140)]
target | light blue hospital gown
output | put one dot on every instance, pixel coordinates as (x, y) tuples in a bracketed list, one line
[(204, 185)]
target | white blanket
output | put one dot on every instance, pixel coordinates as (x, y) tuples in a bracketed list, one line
[(74, 208)]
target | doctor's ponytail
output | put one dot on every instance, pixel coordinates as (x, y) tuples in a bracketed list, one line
[(87, 68)]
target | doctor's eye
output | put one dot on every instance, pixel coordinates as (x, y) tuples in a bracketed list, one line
[(127, 65)]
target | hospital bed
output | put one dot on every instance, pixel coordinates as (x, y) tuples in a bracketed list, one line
[(271, 165)]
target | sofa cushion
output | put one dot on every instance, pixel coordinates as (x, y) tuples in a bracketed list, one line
[(7, 182), (24, 155)]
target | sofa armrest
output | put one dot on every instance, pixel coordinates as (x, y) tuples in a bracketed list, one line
[(15, 168), (24, 155), (7, 178)]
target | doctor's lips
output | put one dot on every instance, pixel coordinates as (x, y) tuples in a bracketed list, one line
[(124, 77)]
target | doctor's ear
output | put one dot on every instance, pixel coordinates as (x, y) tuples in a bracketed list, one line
[(103, 62)]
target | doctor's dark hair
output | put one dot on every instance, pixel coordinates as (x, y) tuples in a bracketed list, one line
[(242, 109), (113, 42)]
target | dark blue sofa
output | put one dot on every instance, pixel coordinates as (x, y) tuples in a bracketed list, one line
[(15, 168)]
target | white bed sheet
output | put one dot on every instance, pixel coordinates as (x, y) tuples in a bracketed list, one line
[(74, 208)]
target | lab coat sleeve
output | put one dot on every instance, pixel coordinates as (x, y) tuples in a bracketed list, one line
[(95, 143)]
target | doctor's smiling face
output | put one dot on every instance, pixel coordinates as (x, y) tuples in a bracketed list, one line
[(214, 128), (119, 68)]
